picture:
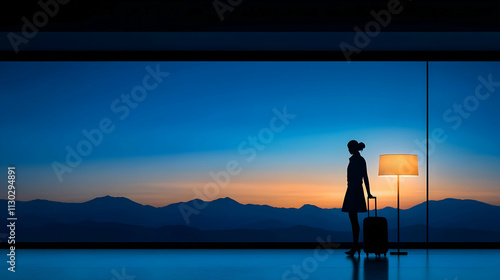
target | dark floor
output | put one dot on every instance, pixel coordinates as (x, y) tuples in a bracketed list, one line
[(446, 264)]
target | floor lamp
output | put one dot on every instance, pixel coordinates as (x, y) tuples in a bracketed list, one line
[(398, 165)]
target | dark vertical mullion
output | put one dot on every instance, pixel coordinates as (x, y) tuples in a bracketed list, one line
[(427, 160)]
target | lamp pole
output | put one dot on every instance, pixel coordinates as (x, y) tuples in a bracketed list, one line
[(398, 215), (398, 252)]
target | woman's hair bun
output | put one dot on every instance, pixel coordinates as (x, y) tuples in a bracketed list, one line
[(353, 145), (361, 146)]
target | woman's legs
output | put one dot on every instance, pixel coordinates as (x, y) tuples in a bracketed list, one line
[(353, 216)]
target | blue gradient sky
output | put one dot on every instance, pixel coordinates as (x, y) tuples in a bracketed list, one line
[(194, 121), (467, 163)]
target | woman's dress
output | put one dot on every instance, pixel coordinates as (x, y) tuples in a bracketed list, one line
[(354, 200)]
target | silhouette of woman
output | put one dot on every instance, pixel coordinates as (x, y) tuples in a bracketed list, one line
[(354, 200)]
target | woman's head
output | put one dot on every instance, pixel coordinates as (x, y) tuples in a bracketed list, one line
[(355, 147)]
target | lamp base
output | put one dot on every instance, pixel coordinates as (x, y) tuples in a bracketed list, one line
[(399, 253)]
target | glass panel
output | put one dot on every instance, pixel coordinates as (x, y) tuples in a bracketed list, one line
[(464, 158)]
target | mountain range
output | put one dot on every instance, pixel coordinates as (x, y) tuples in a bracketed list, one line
[(119, 219)]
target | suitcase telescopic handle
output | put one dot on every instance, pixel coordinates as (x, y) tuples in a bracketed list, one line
[(375, 206)]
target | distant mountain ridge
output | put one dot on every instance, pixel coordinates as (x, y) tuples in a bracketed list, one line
[(466, 220)]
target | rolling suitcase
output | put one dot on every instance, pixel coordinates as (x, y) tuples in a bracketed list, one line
[(375, 238)]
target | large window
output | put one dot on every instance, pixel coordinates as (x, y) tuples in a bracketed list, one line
[(244, 151)]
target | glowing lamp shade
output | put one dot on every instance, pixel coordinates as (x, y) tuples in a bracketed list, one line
[(402, 165)]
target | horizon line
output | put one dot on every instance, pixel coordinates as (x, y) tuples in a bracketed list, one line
[(227, 197)]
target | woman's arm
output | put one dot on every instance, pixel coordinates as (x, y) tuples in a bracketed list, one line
[(365, 178)]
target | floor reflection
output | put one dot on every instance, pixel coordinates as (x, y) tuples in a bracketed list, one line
[(355, 266), (440, 264), (373, 267), (376, 268)]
